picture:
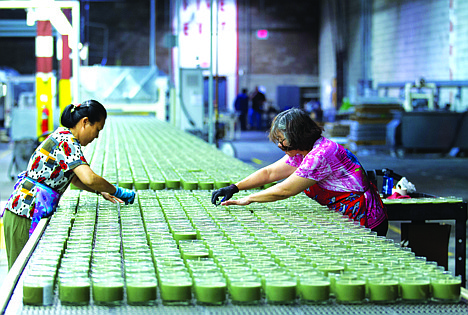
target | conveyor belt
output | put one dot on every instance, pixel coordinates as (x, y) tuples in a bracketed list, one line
[(16, 307)]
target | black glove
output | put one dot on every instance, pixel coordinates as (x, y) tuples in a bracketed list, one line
[(227, 192)]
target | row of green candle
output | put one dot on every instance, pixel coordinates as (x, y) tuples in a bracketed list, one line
[(195, 211), (134, 157), (40, 275)]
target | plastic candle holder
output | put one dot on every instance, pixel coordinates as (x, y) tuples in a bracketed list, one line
[(38, 290), (141, 290), (245, 290), (210, 291), (350, 291), (415, 289), (383, 290), (157, 184), (446, 288), (280, 290), (176, 290), (108, 291), (74, 291), (315, 289)]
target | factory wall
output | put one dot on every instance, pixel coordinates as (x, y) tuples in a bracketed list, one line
[(409, 40), (289, 56), (327, 64)]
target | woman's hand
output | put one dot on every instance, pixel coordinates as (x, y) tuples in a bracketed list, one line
[(111, 198), (239, 202)]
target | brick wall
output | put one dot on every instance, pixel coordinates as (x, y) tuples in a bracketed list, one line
[(289, 56)]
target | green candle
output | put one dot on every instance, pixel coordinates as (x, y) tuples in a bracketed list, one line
[(141, 291), (280, 290), (176, 290), (173, 183), (189, 184), (108, 291), (415, 289), (327, 268), (210, 291), (383, 290), (184, 235), (206, 185), (126, 184), (245, 291), (314, 289), (221, 183), (446, 289), (157, 184), (141, 185), (74, 291), (195, 254), (350, 290), (38, 291)]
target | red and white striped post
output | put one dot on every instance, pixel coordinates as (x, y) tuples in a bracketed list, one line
[(44, 55), (65, 96)]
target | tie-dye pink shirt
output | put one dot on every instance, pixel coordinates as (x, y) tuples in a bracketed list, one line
[(335, 168)]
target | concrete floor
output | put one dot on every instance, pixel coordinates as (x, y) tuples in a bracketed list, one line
[(430, 173)]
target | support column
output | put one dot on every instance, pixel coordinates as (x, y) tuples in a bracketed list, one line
[(44, 77), (65, 93)]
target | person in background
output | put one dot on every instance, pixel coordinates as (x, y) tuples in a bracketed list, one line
[(241, 105), (257, 98), (57, 162), (323, 169)]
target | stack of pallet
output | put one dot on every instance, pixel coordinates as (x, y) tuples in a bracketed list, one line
[(368, 125)]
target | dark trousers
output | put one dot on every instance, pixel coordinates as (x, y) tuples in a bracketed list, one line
[(382, 228)]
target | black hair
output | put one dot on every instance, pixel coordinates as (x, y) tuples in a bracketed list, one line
[(297, 127), (92, 109)]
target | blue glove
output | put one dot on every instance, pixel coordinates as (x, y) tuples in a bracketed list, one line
[(127, 195)]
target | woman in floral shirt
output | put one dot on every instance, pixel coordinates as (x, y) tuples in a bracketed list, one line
[(323, 169), (57, 162)]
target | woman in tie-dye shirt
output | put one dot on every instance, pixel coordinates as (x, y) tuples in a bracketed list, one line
[(323, 169)]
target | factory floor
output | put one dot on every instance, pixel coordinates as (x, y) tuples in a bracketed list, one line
[(430, 173)]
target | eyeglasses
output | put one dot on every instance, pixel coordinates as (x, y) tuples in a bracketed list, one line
[(284, 147)]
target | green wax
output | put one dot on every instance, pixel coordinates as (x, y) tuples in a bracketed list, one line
[(446, 289), (107, 292), (38, 294), (177, 290), (184, 235), (205, 185), (221, 183), (330, 268), (350, 291), (416, 290), (125, 184), (280, 291), (74, 293), (189, 185), (141, 292), (141, 185), (157, 184), (314, 290), (245, 291), (210, 292), (173, 183), (383, 291)]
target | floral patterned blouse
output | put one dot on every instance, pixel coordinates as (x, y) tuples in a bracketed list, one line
[(51, 164), (336, 169)]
